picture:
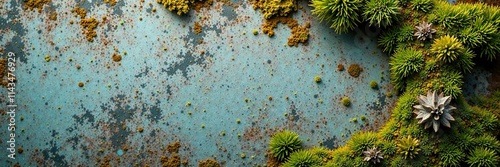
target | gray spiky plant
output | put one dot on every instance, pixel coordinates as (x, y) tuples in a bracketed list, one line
[(434, 110), (374, 155), (424, 31)]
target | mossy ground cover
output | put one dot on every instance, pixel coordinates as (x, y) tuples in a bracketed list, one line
[(463, 33)]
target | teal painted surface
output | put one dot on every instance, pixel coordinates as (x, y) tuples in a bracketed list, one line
[(71, 125)]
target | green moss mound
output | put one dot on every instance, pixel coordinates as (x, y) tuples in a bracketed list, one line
[(302, 159), (381, 13), (342, 14), (284, 143), (463, 33)]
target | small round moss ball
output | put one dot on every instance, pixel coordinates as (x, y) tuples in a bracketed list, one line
[(80, 84), (317, 79), (255, 31), (373, 84), (389, 94), (346, 101)]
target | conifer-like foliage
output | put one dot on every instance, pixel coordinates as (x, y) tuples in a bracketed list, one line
[(344, 15), (381, 13), (284, 143)]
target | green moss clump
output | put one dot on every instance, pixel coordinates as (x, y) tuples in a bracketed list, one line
[(342, 157), (408, 147), (346, 101), (447, 48), (451, 82), (361, 141), (405, 34), (417, 66), (284, 143), (381, 13), (374, 84), (422, 5), (450, 17), (388, 40), (404, 63), (323, 153), (483, 157), (302, 159), (343, 14), (387, 147)]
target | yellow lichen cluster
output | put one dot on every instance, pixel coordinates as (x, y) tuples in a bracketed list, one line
[(300, 34), (272, 8), (79, 12), (89, 25), (38, 4), (110, 2), (181, 6)]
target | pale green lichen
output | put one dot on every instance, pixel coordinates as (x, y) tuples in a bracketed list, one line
[(272, 8)]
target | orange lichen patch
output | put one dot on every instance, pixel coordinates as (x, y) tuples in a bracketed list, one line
[(38, 4), (208, 163), (110, 2), (116, 57), (270, 24), (3, 72), (89, 25), (197, 27), (53, 16), (198, 5), (174, 161), (340, 67), (79, 12), (300, 34), (174, 147), (105, 162), (354, 70)]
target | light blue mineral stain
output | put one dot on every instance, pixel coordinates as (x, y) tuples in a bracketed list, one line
[(119, 152)]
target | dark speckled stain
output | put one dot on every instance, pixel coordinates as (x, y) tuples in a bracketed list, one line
[(154, 112), (330, 142), (293, 112), (193, 38), (16, 46), (87, 116), (74, 140), (187, 60), (229, 12), (53, 154), (145, 72), (120, 115), (381, 99), (87, 5)]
